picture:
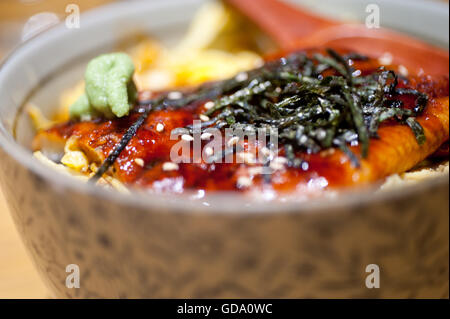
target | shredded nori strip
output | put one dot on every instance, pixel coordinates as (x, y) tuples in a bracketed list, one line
[(313, 112), (126, 138)]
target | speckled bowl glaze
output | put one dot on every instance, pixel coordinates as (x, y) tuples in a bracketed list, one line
[(130, 246)]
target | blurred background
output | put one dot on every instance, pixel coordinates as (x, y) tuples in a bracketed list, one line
[(19, 20), (16, 14)]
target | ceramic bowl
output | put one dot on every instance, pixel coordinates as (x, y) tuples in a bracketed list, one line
[(224, 246)]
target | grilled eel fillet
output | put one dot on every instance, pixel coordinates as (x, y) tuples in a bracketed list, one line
[(395, 151)]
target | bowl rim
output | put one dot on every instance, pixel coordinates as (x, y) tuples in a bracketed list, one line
[(217, 203)]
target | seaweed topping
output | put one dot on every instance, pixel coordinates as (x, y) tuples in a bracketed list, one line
[(315, 102)]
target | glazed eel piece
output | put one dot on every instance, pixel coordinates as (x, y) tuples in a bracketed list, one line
[(376, 137)]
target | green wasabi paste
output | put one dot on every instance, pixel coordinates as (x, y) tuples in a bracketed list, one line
[(109, 88)]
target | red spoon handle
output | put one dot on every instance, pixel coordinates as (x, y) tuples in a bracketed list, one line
[(281, 21), (292, 28)]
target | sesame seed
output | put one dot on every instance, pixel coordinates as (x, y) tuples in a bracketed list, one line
[(356, 73), (160, 127), (175, 95), (241, 77), (187, 138), (278, 163), (266, 152), (146, 95), (276, 166), (244, 181), (247, 157), (139, 161), (205, 136), (305, 166), (170, 166), (209, 151), (265, 84), (303, 139), (386, 59), (259, 63), (203, 117), (233, 141), (327, 152), (403, 70), (280, 160), (321, 134), (209, 105)]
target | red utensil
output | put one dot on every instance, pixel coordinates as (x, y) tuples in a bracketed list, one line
[(292, 28)]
